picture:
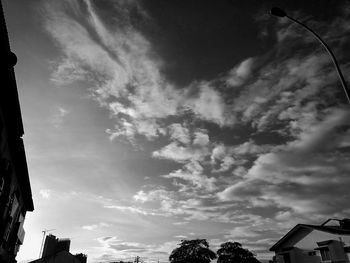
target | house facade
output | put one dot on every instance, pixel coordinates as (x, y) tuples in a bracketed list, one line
[(15, 191), (328, 243)]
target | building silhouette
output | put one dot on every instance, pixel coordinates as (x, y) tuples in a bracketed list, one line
[(15, 192), (54, 245), (56, 250)]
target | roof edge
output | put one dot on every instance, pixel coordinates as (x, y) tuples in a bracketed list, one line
[(289, 233)]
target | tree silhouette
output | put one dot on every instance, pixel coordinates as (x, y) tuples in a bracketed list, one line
[(232, 252), (192, 251)]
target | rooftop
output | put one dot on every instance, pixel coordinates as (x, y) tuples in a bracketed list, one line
[(342, 229)]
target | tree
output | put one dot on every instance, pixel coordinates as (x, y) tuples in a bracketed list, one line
[(192, 251), (232, 252)]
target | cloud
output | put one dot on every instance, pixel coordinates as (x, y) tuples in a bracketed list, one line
[(190, 206), (178, 153), (111, 247), (209, 105), (45, 193), (289, 81), (114, 245), (66, 72), (290, 99), (124, 128), (192, 173), (58, 117), (95, 226), (158, 194), (131, 209), (240, 73), (240, 171), (226, 164), (123, 72), (218, 152), (187, 145), (318, 135), (180, 223), (300, 174), (234, 156), (241, 232), (250, 147), (294, 100), (170, 203), (117, 61), (179, 133), (201, 138)]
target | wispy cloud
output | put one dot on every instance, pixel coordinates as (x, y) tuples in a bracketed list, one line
[(240, 73), (296, 175), (132, 209), (45, 193), (58, 117), (179, 133), (242, 232), (123, 72), (292, 153), (95, 226), (192, 173), (176, 152), (111, 247)]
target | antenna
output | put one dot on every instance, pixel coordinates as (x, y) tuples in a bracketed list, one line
[(42, 242)]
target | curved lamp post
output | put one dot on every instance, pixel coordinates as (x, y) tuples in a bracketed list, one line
[(280, 13)]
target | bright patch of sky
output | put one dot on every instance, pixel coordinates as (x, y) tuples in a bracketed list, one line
[(146, 124)]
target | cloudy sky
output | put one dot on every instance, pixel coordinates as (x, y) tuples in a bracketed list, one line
[(147, 122)]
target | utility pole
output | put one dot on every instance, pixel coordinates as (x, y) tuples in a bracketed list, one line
[(42, 242)]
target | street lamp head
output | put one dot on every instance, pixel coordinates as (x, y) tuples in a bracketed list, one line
[(275, 11)]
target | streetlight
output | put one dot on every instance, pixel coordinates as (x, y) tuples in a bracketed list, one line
[(280, 13)]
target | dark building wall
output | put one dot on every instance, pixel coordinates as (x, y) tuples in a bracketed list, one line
[(54, 245), (81, 257), (63, 245), (15, 191), (12, 204), (57, 251), (49, 246), (61, 257)]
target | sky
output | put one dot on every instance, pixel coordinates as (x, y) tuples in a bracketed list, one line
[(147, 122)]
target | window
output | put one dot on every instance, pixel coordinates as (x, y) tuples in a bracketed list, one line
[(312, 253), (325, 254)]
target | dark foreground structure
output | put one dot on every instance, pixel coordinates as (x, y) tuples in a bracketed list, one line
[(15, 192), (56, 250)]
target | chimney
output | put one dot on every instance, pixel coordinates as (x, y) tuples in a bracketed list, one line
[(345, 223)]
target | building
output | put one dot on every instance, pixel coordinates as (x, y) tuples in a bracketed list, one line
[(15, 192), (62, 257), (54, 245), (315, 243), (56, 250)]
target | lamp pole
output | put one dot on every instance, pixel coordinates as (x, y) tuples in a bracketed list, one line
[(275, 11)]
